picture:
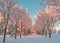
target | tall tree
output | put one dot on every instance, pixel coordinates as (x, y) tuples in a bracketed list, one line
[(24, 22), (7, 6), (48, 17)]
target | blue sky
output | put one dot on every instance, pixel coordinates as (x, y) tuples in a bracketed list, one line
[(33, 6)]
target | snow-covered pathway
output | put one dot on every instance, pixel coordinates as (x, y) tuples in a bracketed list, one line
[(33, 39)]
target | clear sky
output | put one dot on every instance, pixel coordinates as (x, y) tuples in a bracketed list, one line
[(33, 6)]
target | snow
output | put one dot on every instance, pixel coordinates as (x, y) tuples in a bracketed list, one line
[(32, 39)]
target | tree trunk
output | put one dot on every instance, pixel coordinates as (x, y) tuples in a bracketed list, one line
[(50, 32), (4, 34), (21, 29), (45, 33), (15, 32), (49, 35), (20, 32), (5, 28)]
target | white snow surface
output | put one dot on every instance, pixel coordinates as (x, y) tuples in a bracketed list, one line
[(32, 39)]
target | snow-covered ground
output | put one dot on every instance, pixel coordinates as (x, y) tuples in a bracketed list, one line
[(32, 39)]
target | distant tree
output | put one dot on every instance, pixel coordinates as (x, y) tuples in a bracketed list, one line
[(39, 24)]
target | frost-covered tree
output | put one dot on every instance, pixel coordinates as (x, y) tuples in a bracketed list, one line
[(22, 20), (7, 6), (53, 2), (45, 20)]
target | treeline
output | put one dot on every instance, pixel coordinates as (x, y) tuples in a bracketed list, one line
[(16, 21)]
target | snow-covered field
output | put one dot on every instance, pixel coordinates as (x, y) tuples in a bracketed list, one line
[(32, 39)]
